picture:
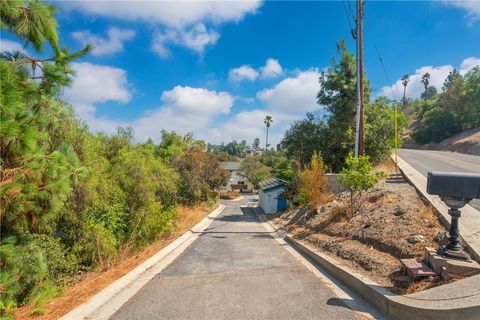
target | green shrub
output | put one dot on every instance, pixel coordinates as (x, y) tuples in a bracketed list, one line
[(436, 125), (59, 263), (358, 177)]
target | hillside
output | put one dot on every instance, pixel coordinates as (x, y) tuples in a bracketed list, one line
[(467, 142)]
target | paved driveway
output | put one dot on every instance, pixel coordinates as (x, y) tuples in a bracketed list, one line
[(235, 270)]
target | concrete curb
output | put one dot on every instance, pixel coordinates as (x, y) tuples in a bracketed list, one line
[(105, 303), (457, 300), (469, 223)]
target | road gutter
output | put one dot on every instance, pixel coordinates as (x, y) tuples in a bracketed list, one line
[(105, 303), (469, 222)]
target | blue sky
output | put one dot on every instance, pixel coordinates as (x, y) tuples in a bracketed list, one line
[(217, 68)]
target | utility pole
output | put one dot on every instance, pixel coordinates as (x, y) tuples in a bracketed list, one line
[(359, 132)]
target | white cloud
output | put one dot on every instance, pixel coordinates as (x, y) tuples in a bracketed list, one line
[(437, 78), (187, 109), (113, 43), (95, 84), (472, 7), (8, 45), (294, 94), (184, 109), (272, 69), (244, 72), (173, 14), (286, 102), (468, 64), (197, 38), (184, 22), (249, 125), (197, 100)]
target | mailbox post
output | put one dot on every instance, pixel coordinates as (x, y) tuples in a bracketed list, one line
[(453, 249), (455, 190)]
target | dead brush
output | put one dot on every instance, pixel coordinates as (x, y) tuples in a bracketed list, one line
[(430, 216), (387, 166), (312, 183), (338, 214), (386, 199)]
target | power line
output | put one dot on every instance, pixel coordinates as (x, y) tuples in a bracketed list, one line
[(380, 58), (348, 14)]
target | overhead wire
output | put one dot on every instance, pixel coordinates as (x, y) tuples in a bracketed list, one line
[(380, 58), (348, 14)]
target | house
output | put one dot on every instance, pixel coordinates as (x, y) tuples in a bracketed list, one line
[(237, 181), (250, 152), (270, 195)]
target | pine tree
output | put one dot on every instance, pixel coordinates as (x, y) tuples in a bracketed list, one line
[(38, 167)]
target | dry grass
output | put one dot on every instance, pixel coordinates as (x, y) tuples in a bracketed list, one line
[(94, 282), (387, 166), (388, 199)]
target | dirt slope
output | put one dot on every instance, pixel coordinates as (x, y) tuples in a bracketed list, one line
[(464, 142)]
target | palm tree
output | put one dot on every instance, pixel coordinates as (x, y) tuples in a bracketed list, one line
[(267, 121), (405, 81), (426, 82)]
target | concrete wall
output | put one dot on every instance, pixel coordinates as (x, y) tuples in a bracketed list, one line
[(333, 186)]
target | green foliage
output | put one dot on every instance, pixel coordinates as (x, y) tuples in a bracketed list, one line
[(305, 137), (338, 92), (281, 166), (200, 174), (70, 199), (380, 130), (455, 109), (254, 170), (233, 149), (358, 177), (332, 134)]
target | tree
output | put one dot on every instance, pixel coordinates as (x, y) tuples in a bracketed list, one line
[(254, 170), (338, 92), (39, 165), (379, 129), (358, 177), (256, 144), (405, 79), (436, 125), (268, 120), (305, 137), (429, 94), (425, 81), (453, 110), (280, 165), (174, 145), (332, 133)]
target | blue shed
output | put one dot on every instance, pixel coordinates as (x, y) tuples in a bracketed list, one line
[(270, 195)]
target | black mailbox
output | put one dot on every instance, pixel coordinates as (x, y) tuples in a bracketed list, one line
[(456, 190), (454, 185)]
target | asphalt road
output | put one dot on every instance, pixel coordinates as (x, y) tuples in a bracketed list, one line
[(426, 160), (235, 270)]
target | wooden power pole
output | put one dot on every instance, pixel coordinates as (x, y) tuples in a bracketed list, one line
[(359, 132)]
